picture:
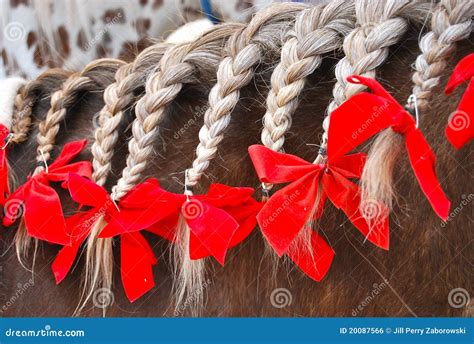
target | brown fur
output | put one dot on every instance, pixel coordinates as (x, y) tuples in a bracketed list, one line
[(425, 261)]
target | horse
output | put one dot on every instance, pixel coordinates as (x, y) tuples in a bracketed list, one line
[(233, 75)]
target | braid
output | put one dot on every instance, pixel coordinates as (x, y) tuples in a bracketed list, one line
[(63, 99), (27, 98), (161, 89), (246, 48), (22, 117), (450, 22), (380, 25), (177, 67), (317, 31), (117, 97)]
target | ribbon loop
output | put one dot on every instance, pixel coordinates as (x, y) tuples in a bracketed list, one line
[(43, 214)]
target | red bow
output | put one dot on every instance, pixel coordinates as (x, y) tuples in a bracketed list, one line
[(219, 220), (286, 213), (365, 115), (142, 208), (149, 207), (4, 188), (460, 129), (42, 209)]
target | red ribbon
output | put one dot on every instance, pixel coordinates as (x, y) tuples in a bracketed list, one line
[(286, 213), (460, 129), (218, 220), (367, 114), (42, 211), (4, 188), (212, 219), (225, 217), (138, 210)]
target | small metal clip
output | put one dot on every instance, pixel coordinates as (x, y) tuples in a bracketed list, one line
[(413, 102), (8, 139), (44, 161), (265, 191), (187, 188)]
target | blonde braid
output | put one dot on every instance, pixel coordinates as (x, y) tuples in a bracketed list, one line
[(63, 99), (22, 116), (117, 97), (318, 31), (450, 23), (380, 25), (235, 71), (178, 66), (26, 99)]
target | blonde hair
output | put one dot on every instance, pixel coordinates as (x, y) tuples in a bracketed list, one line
[(300, 34), (117, 97), (178, 65), (245, 49)]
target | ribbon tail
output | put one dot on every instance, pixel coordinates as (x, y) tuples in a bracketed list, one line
[(67, 255), (213, 227), (315, 260), (43, 215), (345, 195), (136, 261), (422, 160), (15, 207)]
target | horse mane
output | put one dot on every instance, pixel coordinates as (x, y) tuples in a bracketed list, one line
[(186, 114)]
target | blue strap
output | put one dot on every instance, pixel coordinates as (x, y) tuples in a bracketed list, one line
[(207, 10)]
